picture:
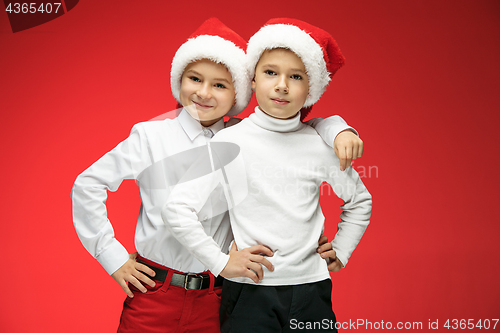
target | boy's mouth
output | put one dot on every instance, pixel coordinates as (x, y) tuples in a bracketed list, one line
[(280, 101), (201, 105)]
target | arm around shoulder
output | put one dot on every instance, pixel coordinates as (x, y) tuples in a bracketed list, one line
[(340, 136)]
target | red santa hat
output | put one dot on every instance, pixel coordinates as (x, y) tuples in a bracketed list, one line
[(316, 48), (216, 42)]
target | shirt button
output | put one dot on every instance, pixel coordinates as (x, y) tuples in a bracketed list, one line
[(205, 218), (208, 132)]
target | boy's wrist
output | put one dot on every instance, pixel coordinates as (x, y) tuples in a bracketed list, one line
[(113, 257), (220, 265), (347, 129), (339, 255)]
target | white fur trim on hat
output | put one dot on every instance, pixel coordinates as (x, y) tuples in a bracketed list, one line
[(302, 44), (220, 51)]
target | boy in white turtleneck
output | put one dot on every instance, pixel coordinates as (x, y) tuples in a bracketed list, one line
[(272, 166)]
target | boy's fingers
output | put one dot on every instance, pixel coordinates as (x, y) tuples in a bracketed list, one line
[(263, 261), (348, 152), (145, 279), (336, 150), (346, 163), (345, 158), (334, 266), (257, 269), (261, 249), (252, 275), (126, 289), (354, 152), (328, 254), (143, 268), (348, 157), (233, 247), (343, 162), (138, 284), (324, 247), (360, 149), (322, 240), (129, 293)]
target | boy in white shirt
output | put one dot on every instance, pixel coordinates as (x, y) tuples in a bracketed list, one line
[(272, 166)]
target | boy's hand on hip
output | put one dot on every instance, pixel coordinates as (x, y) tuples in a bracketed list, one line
[(348, 146), (133, 272), (327, 252), (322, 240), (248, 262)]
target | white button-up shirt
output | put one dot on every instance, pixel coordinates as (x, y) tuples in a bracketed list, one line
[(155, 154)]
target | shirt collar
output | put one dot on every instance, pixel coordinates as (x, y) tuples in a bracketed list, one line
[(269, 123), (193, 128)]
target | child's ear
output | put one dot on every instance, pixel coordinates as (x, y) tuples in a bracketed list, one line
[(253, 84)]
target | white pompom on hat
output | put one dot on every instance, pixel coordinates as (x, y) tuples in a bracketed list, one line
[(216, 42), (316, 48)]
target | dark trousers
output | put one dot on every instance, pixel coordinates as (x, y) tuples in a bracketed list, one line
[(254, 308)]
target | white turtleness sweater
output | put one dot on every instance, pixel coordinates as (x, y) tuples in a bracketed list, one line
[(271, 170)]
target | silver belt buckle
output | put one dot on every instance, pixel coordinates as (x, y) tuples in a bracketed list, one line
[(186, 281)]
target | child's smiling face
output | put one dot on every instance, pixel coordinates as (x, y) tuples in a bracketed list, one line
[(281, 84), (207, 91)]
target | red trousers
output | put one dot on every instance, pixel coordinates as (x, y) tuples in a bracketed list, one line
[(165, 308)]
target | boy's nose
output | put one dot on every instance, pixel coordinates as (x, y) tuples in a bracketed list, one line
[(281, 85), (203, 92)]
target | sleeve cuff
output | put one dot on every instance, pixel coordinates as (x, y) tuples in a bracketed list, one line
[(221, 264), (343, 261), (343, 257), (350, 128), (330, 128), (114, 257)]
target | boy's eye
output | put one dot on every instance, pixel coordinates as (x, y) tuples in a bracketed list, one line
[(220, 85), (269, 72), (296, 77), (195, 79)]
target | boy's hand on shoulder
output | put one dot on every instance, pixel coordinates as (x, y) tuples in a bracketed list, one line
[(348, 146), (132, 271), (248, 262), (327, 252)]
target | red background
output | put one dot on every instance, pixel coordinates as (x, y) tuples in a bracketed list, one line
[(420, 84)]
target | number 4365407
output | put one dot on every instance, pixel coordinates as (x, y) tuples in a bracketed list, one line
[(470, 324), (32, 8)]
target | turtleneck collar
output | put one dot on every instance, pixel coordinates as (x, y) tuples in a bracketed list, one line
[(269, 123)]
